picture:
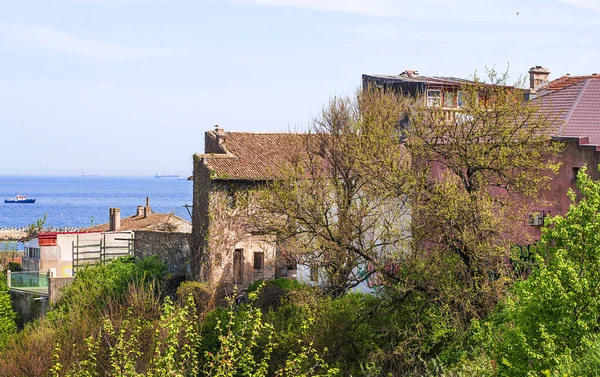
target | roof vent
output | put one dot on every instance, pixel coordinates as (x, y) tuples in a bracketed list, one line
[(410, 73)]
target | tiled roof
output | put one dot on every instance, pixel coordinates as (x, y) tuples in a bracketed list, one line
[(430, 80), (438, 80), (575, 110), (568, 80), (254, 156), (153, 221)]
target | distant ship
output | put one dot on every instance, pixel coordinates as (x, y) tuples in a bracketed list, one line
[(158, 175), (89, 175), (19, 199)]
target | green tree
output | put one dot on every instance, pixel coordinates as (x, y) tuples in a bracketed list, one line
[(343, 203), (425, 197), (550, 321)]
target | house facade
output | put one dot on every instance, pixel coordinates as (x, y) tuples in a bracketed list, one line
[(226, 249), (571, 103), (145, 233)]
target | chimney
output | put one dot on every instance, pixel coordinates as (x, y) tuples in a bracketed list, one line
[(147, 209), (530, 94), (140, 211), (220, 134), (114, 223), (538, 77)]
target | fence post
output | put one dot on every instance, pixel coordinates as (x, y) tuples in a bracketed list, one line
[(8, 273)]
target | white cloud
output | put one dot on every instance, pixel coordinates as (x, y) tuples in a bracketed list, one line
[(56, 40)]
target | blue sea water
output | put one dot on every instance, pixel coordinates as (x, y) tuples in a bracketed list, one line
[(73, 201)]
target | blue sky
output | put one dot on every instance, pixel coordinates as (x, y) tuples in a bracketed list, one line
[(129, 86)]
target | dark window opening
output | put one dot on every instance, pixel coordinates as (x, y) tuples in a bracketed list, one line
[(259, 260), (314, 274), (574, 172), (230, 199), (237, 266)]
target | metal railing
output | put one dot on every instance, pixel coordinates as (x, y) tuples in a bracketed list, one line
[(30, 281)]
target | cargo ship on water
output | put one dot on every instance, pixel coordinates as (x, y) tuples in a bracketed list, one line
[(19, 199), (158, 175)]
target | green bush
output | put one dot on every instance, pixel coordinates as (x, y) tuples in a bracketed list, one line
[(341, 329), (550, 321), (8, 317), (14, 266), (199, 291)]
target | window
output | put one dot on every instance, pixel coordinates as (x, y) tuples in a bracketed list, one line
[(314, 274), (230, 199), (259, 260), (32, 252), (450, 99), (574, 172), (434, 97), (537, 218), (463, 98)]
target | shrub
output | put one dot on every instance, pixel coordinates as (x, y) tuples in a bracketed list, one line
[(199, 291), (8, 317), (14, 266), (29, 353), (343, 330)]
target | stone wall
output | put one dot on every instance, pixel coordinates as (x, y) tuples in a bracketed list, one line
[(173, 248), (56, 285), (220, 227), (29, 306)]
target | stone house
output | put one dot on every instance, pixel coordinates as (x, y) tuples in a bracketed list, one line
[(226, 249)]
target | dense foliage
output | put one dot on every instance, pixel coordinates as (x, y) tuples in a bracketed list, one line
[(435, 243), (8, 325)]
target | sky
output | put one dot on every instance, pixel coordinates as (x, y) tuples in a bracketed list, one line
[(128, 87)]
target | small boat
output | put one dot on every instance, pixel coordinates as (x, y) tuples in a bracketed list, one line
[(19, 199)]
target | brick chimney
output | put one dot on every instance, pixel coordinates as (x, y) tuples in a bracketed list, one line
[(147, 209), (140, 211), (220, 131), (538, 77), (114, 222)]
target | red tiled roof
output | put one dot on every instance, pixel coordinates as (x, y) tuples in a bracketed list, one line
[(568, 80), (154, 221), (254, 156), (574, 109)]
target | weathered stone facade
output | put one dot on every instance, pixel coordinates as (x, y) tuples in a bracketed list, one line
[(173, 248), (225, 249), (56, 286)]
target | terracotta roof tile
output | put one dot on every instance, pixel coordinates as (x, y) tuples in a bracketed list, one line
[(254, 156), (154, 221), (574, 109), (568, 80)]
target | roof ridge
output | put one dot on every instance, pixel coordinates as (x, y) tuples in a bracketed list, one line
[(269, 133), (573, 105)]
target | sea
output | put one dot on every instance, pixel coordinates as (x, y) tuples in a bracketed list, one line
[(76, 202)]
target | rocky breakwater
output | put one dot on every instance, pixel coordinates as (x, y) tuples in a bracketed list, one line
[(12, 234)]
